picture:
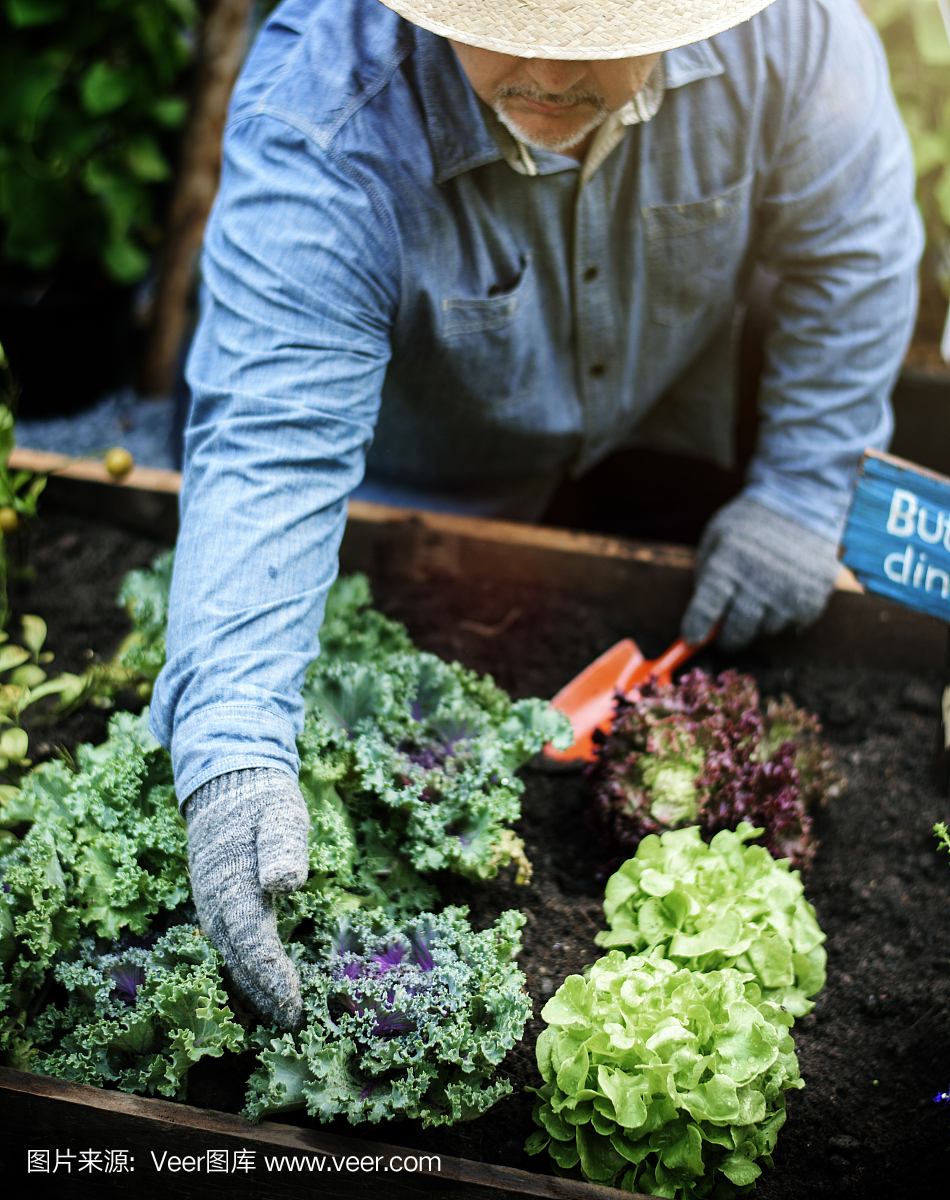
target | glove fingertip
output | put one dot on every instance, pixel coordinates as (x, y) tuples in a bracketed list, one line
[(282, 866), (709, 602), (741, 626), (696, 627), (280, 880)]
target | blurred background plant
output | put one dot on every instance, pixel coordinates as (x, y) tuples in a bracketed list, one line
[(90, 94), (19, 490), (916, 36)]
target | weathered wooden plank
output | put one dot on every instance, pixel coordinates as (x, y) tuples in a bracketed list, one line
[(92, 470), (43, 1114), (648, 583)]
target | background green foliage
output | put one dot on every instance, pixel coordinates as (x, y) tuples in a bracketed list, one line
[(918, 49), (90, 94)]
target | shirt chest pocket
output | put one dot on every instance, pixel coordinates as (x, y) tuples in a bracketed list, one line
[(488, 347), (462, 318), (693, 252)]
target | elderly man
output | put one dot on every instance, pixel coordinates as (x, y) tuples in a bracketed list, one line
[(466, 248)]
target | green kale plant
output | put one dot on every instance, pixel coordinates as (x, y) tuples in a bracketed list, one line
[(405, 1021), (136, 664), (144, 596), (104, 852), (139, 1017), (663, 1080), (407, 767), (354, 631), (91, 93), (431, 754), (421, 755), (722, 905)]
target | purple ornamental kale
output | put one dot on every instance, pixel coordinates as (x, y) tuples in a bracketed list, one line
[(128, 980), (426, 757), (702, 751), (369, 981)]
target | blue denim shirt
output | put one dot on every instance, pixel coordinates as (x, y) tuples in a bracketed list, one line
[(386, 296)]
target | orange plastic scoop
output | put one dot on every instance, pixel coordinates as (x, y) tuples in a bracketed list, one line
[(588, 700)]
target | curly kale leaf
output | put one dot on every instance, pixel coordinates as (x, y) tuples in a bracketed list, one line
[(144, 596), (431, 753), (702, 751), (662, 1080), (106, 852), (430, 750), (725, 904), (407, 1021), (137, 1017), (353, 631)]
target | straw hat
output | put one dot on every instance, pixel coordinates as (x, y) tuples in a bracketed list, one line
[(573, 29)]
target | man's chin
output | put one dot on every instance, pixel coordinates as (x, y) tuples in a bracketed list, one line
[(555, 141)]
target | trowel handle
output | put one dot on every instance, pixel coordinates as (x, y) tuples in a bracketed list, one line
[(661, 669)]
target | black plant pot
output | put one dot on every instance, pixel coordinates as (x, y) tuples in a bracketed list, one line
[(921, 402), (68, 337)]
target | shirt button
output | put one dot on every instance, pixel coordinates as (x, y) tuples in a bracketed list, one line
[(597, 370), (591, 274)]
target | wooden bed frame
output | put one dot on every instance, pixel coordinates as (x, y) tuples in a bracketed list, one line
[(649, 582)]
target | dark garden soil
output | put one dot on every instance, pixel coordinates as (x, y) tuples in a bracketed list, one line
[(877, 1046)]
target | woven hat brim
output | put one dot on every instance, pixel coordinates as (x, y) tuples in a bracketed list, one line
[(567, 29)]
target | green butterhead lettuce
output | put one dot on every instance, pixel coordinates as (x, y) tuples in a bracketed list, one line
[(722, 904), (663, 1080)]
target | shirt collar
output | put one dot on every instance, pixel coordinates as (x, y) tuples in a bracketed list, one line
[(643, 107), (459, 138), (687, 64)]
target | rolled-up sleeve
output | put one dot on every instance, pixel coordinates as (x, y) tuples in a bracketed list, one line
[(300, 274), (839, 227)]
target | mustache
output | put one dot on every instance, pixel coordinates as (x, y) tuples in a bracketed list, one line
[(571, 96)]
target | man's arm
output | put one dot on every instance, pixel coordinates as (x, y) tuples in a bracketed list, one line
[(285, 372), (838, 225)]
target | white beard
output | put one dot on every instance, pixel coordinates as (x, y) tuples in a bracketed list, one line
[(556, 145)]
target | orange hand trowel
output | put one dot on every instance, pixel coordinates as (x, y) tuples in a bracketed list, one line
[(588, 700)]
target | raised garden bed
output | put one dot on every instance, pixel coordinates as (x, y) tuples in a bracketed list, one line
[(532, 607)]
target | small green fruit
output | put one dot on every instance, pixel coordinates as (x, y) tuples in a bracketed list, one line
[(9, 521), (119, 462)]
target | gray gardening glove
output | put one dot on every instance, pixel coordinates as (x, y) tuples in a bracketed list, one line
[(247, 842), (758, 572)]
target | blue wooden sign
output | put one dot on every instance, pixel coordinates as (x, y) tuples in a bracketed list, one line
[(897, 536)]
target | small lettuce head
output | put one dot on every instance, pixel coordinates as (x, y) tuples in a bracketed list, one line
[(662, 1080), (725, 904), (702, 751)]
